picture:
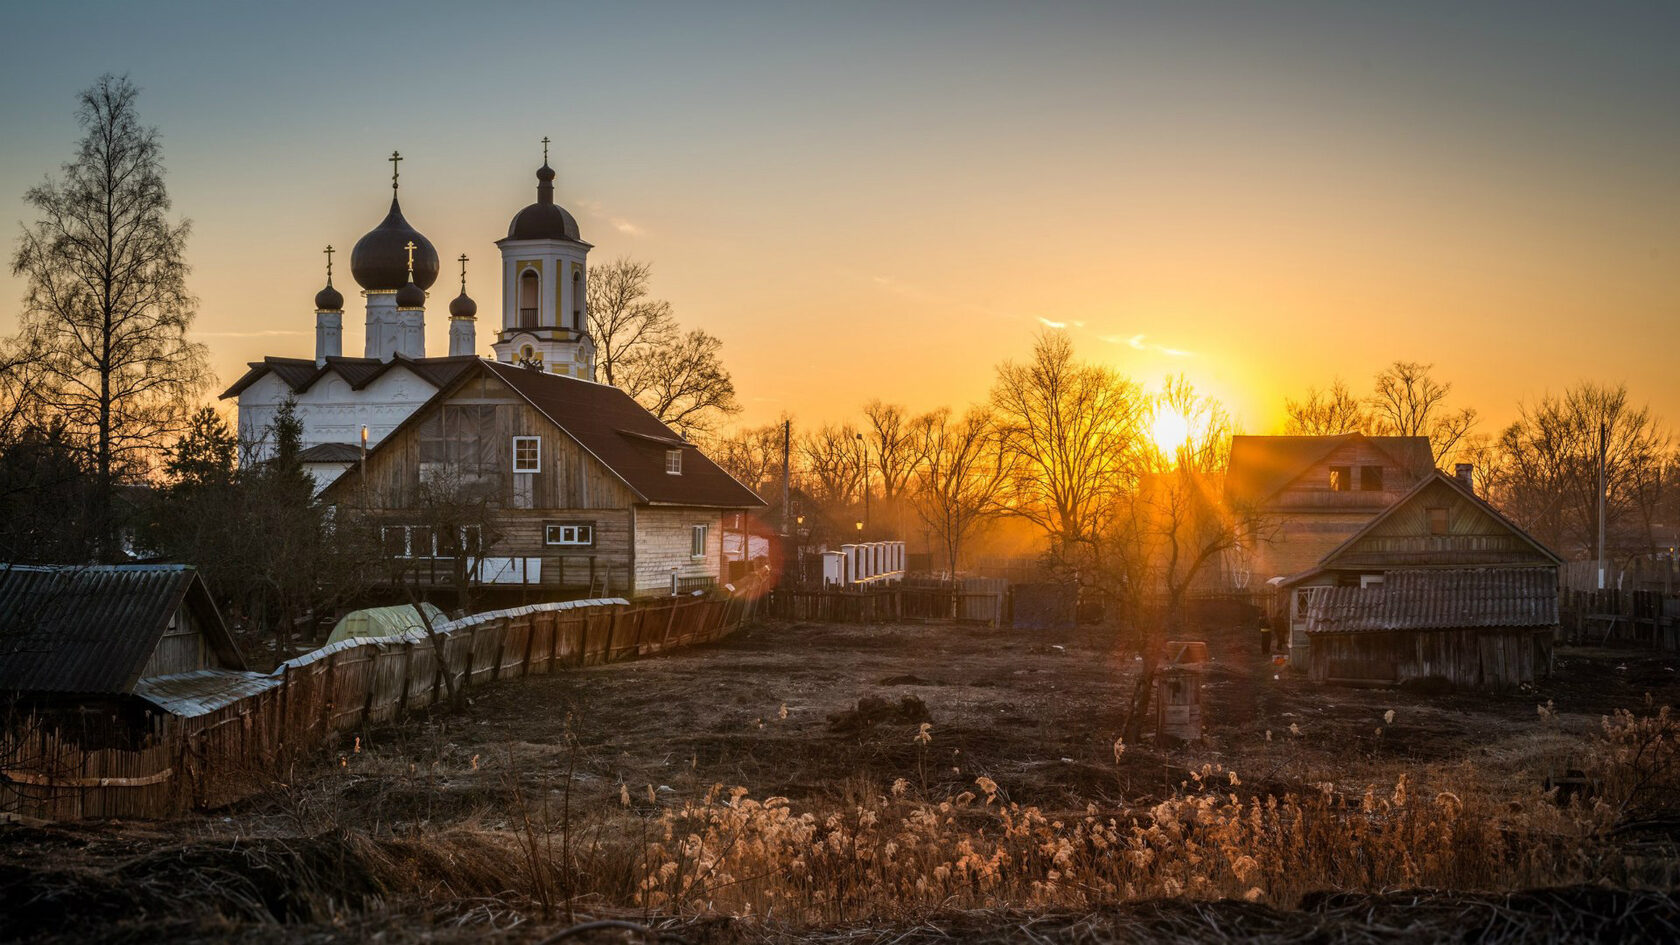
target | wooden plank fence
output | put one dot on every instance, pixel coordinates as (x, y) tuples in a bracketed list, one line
[(218, 756), (1611, 616)]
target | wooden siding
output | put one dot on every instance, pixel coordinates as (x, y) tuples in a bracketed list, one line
[(662, 545), (1485, 658), (1473, 537), (569, 477), (182, 648), (1307, 520)]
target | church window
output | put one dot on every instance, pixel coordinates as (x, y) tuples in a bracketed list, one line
[(697, 541), (527, 454), (528, 299), (673, 462), (577, 300), (579, 534)]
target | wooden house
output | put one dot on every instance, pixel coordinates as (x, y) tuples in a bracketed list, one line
[(85, 644), (1438, 584), (582, 492), (1312, 492)]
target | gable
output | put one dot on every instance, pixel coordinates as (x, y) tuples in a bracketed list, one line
[(1439, 524), (1265, 468)]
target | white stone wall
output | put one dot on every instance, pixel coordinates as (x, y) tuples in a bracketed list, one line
[(662, 543), (331, 412), (559, 304)]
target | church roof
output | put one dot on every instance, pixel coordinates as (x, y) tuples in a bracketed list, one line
[(300, 374), (379, 260), (545, 219), (331, 453)]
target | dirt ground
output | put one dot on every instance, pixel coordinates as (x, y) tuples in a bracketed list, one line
[(776, 710)]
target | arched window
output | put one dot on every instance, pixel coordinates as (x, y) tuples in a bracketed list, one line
[(577, 299), (528, 299)]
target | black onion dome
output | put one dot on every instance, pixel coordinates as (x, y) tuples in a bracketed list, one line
[(329, 300), (411, 295), (545, 219), (463, 307), (380, 259)]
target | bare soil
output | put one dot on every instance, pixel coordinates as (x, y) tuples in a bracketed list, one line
[(815, 713)]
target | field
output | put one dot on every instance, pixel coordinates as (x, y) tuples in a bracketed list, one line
[(920, 783)]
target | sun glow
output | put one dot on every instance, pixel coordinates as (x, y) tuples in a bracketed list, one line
[(1169, 429)]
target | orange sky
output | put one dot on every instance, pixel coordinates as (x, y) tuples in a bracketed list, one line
[(887, 202)]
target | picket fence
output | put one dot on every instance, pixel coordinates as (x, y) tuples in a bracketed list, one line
[(216, 751)]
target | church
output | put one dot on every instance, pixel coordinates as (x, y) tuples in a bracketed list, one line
[(340, 400), (586, 492)]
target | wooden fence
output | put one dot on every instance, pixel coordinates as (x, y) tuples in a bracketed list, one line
[(1644, 618), (221, 751), (975, 600)]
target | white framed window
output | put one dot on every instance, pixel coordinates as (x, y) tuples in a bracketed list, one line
[(527, 454), (569, 533), (673, 462), (697, 541)]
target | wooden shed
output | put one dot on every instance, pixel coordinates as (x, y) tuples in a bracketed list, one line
[(1477, 627)]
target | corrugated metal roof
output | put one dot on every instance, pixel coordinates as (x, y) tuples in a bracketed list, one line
[(91, 629), (1439, 600), (202, 691)]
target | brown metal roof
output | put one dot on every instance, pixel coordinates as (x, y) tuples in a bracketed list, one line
[(1263, 465), (300, 374), (92, 629), (331, 453), (627, 439), (1439, 600)]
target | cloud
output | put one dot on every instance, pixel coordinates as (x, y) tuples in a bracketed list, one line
[(1050, 324), (1137, 343), (620, 224)]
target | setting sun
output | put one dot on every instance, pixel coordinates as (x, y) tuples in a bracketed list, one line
[(1169, 429)]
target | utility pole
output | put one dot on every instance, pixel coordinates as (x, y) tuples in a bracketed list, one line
[(1603, 453), (787, 431)]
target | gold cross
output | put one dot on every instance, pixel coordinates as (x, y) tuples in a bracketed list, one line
[(545, 149), (329, 252), (394, 158), (410, 247), (463, 273)]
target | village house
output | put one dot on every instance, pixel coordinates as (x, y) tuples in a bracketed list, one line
[(1311, 493), (557, 484), (1439, 584), (104, 652)]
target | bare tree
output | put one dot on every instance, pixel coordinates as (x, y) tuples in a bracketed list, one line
[(833, 465), (1410, 402), (1550, 466), (894, 447), (683, 383), (962, 477), (754, 458), (106, 305), (623, 320), (1327, 412), (1073, 426)]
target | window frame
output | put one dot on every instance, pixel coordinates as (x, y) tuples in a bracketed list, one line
[(698, 536), (1370, 479), (673, 462), (553, 534), (1341, 478), (536, 465)]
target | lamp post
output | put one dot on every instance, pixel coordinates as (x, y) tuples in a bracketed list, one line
[(863, 449)]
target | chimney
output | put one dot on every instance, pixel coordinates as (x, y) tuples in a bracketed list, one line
[(1463, 472)]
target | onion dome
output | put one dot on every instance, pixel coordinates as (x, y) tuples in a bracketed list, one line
[(462, 306), (329, 300), (380, 259), (545, 219), (411, 296)]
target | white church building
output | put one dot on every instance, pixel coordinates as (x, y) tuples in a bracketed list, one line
[(339, 400)]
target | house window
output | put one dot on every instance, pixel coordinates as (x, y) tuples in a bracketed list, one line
[(527, 454), (1341, 478), (673, 462), (577, 534), (1370, 479), (697, 541), (1437, 521)]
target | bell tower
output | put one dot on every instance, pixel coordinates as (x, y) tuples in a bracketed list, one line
[(545, 274)]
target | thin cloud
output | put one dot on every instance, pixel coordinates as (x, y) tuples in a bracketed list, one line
[(922, 296), (1138, 343), (1050, 324), (622, 225)]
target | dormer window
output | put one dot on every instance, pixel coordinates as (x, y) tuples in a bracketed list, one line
[(527, 454), (673, 462), (1341, 478)]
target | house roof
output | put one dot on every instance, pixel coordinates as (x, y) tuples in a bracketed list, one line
[(1328, 562), (1439, 600), (1261, 466), (331, 453), (92, 629), (616, 430), (300, 374)]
